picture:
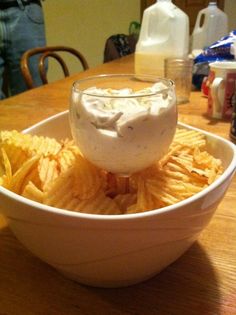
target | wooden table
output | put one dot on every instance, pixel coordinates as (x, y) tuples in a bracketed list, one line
[(202, 281)]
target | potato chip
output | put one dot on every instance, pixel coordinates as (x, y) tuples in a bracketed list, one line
[(19, 147), (32, 192), (59, 194), (189, 137), (47, 171), (87, 178), (15, 155), (171, 191), (43, 172), (66, 157), (82, 181), (124, 201), (5, 169), (17, 182), (99, 204), (145, 200), (183, 172), (55, 173)]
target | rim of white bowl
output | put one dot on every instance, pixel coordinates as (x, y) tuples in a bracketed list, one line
[(147, 77), (131, 216)]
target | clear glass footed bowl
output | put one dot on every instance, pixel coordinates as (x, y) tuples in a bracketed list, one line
[(123, 123)]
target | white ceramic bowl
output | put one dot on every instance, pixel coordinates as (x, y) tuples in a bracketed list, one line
[(116, 250)]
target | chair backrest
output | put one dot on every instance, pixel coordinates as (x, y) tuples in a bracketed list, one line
[(119, 45), (45, 52)]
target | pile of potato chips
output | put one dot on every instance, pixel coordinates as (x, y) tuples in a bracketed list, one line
[(56, 174)]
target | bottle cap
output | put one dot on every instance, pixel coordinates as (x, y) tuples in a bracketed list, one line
[(212, 4)]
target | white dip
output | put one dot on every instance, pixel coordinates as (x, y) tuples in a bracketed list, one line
[(123, 131)]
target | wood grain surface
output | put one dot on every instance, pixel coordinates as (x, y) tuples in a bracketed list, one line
[(202, 281)]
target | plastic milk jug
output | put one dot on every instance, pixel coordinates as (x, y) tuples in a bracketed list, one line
[(164, 33), (210, 26)]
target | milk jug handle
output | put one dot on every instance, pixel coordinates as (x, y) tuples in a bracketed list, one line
[(217, 82), (199, 17)]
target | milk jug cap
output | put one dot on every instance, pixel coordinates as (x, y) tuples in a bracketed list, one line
[(212, 4), (164, 0)]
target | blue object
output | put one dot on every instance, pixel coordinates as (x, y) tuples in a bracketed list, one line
[(21, 28), (218, 51)]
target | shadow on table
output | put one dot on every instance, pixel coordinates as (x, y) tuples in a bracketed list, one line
[(188, 286), (215, 121)]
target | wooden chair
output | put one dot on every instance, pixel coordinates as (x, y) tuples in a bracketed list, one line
[(119, 45), (46, 52)]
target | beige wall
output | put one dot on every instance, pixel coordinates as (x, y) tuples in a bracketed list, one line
[(86, 24), (230, 10)]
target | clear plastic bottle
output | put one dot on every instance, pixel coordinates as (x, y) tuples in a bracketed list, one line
[(164, 34), (211, 24)]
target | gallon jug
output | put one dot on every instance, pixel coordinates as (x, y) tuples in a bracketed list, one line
[(210, 26), (164, 34)]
